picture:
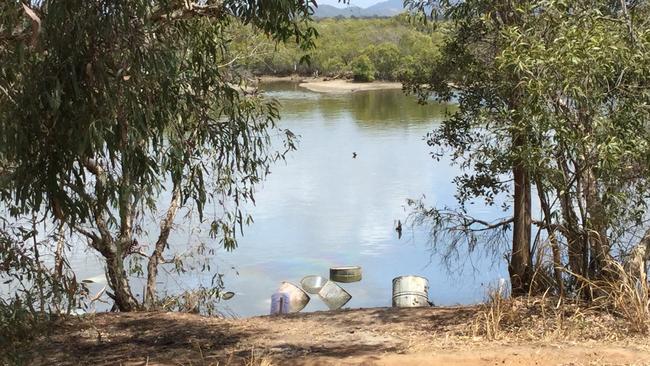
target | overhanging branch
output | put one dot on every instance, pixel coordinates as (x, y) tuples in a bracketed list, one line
[(187, 9)]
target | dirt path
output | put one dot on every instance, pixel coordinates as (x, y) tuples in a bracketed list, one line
[(431, 336)]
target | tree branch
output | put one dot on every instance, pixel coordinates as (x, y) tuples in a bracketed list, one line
[(187, 9), (628, 22), (156, 257), (86, 233), (470, 221), (100, 175)]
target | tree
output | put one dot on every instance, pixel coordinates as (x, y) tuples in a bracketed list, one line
[(550, 94), (333, 66), (590, 127), (386, 59), (396, 47), (362, 69), (105, 104), (488, 103)]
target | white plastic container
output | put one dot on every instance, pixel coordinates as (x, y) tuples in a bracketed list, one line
[(279, 303)]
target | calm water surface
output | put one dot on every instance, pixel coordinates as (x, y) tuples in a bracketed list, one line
[(323, 208)]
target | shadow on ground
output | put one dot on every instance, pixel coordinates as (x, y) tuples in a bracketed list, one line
[(184, 339)]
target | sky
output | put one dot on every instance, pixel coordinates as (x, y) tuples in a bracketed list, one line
[(359, 3)]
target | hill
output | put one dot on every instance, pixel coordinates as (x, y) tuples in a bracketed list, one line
[(384, 9), (329, 11)]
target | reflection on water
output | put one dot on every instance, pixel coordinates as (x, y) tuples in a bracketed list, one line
[(325, 208), (373, 109)]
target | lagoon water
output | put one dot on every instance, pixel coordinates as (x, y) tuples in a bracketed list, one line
[(324, 208)]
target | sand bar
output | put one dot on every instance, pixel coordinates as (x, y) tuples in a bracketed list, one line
[(347, 86)]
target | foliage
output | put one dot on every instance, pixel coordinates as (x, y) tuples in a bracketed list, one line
[(39, 293), (201, 300), (335, 66), (395, 45), (19, 329), (551, 94), (363, 69), (590, 116), (386, 59), (104, 105)]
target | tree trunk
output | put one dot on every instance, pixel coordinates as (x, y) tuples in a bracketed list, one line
[(555, 247), (114, 251), (119, 282), (597, 229), (161, 243), (58, 255), (572, 231), (520, 261)]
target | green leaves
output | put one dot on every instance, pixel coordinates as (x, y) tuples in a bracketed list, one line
[(396, 46), (570, 80), (363, 69), (119, 101), (115, 83)]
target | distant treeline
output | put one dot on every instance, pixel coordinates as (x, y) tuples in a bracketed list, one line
[(366, 49)]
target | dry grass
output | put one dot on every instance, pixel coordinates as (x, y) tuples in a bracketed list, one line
[(619, 308), (629, 297), (521, 326), (622, 311), (490, 318), (257, 358)]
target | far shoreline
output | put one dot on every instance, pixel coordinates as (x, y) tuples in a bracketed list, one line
[(334, 86)]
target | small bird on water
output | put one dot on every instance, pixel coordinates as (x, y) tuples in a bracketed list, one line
[(354, 155), (399, 229)]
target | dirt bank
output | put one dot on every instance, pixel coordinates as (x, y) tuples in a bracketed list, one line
[(425, 336)]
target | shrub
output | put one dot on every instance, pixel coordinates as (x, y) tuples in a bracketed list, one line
[(386, 58), (363, 69), (333, 66)]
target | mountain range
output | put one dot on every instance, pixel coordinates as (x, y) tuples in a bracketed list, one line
[(387, 8)]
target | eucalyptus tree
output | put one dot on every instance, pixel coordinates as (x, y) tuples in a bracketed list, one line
[(488, 130), (552, 94), (585, 69), (104, 104)]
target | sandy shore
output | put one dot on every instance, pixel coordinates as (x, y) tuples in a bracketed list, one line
[(271, 78), (347, 86), (324, 85)]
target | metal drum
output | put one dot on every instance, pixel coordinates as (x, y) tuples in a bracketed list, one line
[(313, 284), (333, 295), (345, 274), (410, 291)]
